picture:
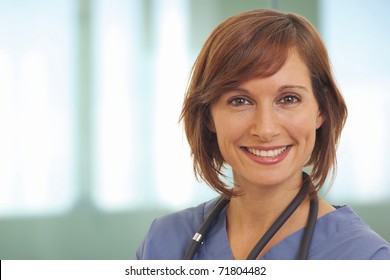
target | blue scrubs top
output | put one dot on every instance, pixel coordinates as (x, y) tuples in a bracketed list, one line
[(340, 234)]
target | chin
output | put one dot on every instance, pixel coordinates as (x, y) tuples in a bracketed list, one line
[(273, 178)]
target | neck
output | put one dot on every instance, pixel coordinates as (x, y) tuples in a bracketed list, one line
[(252, 213), (260, 209), (267, 202)]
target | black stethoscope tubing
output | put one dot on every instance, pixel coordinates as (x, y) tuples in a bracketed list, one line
[(205, 226), (298, 199), (309, 230)]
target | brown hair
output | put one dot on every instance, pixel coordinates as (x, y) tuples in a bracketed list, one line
[(251, 44)]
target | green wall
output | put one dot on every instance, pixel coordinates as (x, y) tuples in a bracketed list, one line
[(89, 234)]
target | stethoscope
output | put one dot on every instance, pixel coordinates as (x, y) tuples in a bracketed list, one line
[(221, 203)]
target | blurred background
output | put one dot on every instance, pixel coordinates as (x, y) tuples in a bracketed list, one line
[(90, 94)]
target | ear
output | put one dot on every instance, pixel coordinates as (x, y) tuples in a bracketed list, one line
[(320, 120), (210, 125)]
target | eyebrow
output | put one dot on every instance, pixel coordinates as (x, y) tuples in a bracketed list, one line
[(282, 88)]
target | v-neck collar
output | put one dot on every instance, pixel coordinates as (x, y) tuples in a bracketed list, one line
[(216, 244)]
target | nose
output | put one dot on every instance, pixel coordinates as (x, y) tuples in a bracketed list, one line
[(265, 124)]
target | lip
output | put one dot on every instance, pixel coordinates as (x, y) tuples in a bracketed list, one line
[(267, 160)]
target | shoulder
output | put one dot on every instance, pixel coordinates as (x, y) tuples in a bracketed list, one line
[(169, 235), (342, 234)]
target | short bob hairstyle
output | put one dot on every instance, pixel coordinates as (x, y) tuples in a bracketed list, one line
[(256, 44)]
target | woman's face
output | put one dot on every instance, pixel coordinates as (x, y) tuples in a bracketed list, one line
[(266, 127)]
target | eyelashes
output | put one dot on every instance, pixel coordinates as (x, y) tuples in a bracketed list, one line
[(288, 99), (239, 101)]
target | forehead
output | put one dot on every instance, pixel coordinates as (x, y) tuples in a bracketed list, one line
[(294, 72)]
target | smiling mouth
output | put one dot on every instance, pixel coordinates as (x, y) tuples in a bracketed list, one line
[(267, 153)]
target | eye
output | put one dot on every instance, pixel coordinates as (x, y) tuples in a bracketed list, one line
[(239, 101), (289, 99)]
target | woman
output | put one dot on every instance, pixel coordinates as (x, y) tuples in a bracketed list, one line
[(262, 100)]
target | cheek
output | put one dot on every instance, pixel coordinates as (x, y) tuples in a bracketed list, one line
[(303, 130), (229, 131)]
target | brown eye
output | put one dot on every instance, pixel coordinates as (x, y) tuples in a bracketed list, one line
[(289, 99), (239, 101)]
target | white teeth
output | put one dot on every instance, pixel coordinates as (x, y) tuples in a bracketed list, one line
[(267, 153)]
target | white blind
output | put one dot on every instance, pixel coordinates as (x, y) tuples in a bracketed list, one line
[(358, 39), (36, 106)]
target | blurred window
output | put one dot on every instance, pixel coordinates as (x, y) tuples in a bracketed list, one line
[(36, 106), (358, 39), (142, 63), (112, 140)]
